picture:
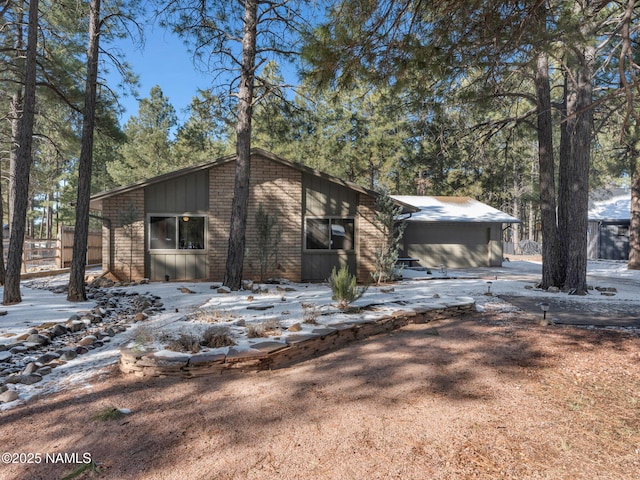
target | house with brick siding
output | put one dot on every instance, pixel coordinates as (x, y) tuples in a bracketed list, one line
[(176, 226)]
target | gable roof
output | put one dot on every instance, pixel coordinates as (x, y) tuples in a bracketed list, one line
[(453, 209), (96, 200), (612, 209)]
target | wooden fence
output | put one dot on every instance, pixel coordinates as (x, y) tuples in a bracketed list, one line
[(46, 254)]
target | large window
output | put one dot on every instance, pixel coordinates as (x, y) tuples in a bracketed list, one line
[(329, 233), (173, 232)]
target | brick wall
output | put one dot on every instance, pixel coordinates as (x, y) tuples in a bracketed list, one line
[(121, 250), (371, 239), (279, 189), (276, 186)]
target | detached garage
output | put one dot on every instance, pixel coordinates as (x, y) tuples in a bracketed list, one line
[(458, 232), (608, 230)]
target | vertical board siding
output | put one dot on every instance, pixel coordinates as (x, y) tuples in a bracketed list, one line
[(187, 194), (323, 199)]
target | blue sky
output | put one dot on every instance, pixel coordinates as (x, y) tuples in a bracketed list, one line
[(163, 61)]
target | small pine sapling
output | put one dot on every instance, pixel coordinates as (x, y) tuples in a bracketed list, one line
[(344, 287)]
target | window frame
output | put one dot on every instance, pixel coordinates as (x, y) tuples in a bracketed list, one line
[(331, 219), (178, 218)]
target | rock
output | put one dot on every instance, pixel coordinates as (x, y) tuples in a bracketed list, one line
[(387, 290), (22, 337), (3, 312), (30, 379), (47, 357), (46, 370), (436, 295), (606, 289), (59, 330), (9, 396), (185, 290), (224, 289), (75, 325), (5, 356), (528, 287), (3, 388), (608, 294), (285, 289), (38, 339), (92, 318), (18, 349), (88, 340), (259, 307), (30, 368), (553, 289), (68, 355), (247, 284), (139, 317), (241, 322), (81, 350), (144, 281), (13, 378), (296, 327)]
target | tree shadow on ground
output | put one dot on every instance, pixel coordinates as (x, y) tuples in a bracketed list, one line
[(193, 427)]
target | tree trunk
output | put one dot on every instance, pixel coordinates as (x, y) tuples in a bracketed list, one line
[(547, 175), (235, 253), (23, 165), (17, 101), (634, 229), (80, 239), (2, 268), (15, 109), (575, 153)]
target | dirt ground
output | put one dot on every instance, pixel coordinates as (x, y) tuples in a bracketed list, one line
[(488, 396)]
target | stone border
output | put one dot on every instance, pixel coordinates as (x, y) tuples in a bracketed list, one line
[(274, 354)]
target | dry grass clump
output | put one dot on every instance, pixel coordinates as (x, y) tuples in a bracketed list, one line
[(144, 335), (186, 342), (217, 336), (212, 315), (267, 328), (310, 314)]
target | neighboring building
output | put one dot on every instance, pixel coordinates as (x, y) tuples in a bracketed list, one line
[(458, 232), (608, 230), (176, 226)]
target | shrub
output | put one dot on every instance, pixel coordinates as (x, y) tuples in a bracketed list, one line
[(310, 314), (186, 342), (264, 329), (269, 236), (217, 336), (387, 214), (108, 413), (344, 287)]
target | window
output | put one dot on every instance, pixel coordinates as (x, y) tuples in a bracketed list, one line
[(173, 232), (329, 233)]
